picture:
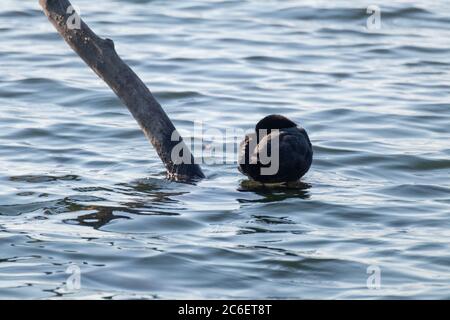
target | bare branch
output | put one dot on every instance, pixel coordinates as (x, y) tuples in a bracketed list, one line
[(100, 55)]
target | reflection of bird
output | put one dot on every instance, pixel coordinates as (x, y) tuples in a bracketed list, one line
[(295, 151)]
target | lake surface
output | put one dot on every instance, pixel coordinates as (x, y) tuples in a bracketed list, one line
[(82, 189)]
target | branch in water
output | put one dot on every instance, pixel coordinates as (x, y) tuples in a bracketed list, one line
[(101, 56)]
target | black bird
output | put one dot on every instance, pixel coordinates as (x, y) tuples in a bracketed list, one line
[(295, 151)]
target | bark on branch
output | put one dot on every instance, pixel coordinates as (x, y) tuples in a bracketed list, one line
[(100, 55)]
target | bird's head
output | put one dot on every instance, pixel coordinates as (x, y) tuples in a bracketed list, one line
[(273, 121)]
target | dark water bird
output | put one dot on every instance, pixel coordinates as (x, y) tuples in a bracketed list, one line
[(274, 132)]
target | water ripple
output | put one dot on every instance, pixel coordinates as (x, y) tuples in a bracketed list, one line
[(81, 185)]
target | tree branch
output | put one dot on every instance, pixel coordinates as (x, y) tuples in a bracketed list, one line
[(100, 55)]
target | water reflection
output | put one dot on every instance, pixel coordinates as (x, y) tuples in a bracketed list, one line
[(96, 220), (150, 197), (275, 193)]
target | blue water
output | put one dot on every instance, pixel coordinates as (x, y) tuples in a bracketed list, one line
[(81, 186)]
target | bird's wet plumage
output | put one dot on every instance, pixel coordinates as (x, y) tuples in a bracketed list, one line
[(295, 150)]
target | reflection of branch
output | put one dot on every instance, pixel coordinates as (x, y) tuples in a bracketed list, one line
[(100, 55)]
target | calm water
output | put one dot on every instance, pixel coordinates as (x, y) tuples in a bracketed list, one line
[(80, 184)]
